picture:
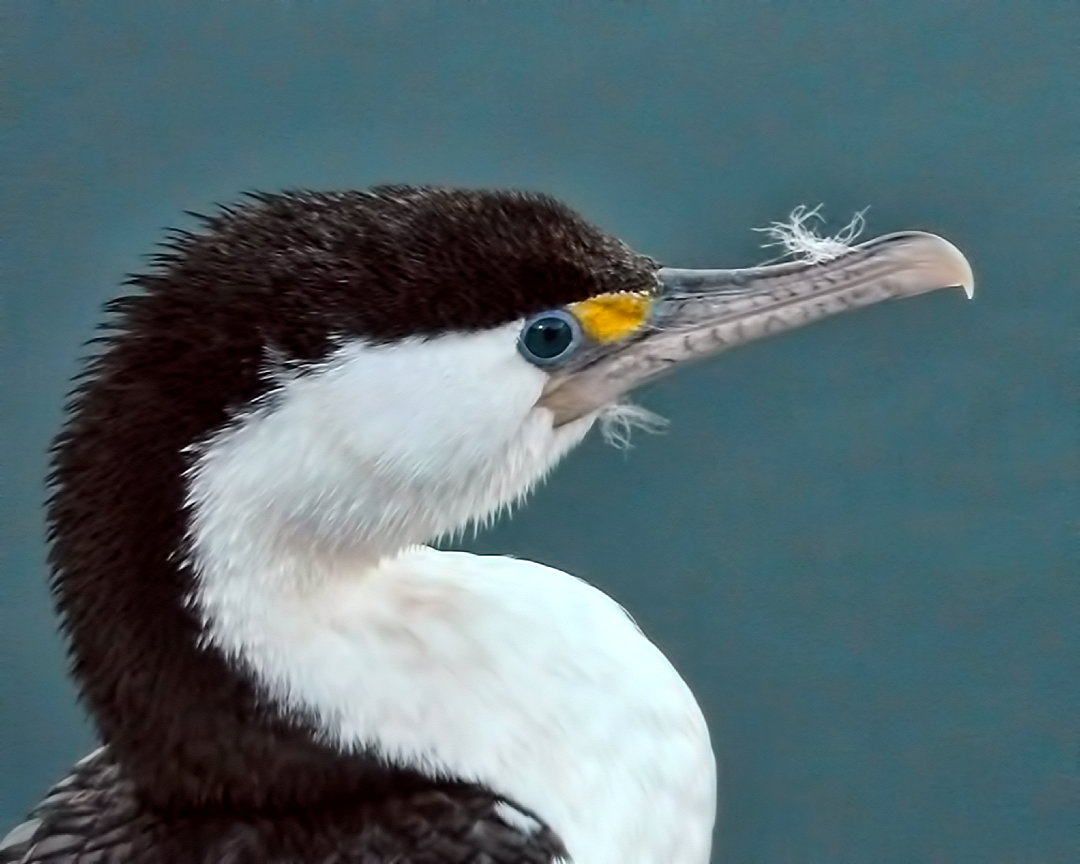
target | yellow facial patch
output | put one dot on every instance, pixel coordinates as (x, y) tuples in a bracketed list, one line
[(611, 317)]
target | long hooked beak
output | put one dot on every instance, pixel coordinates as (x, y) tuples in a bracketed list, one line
[(698, 313)]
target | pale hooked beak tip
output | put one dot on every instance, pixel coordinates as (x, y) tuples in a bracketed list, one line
[(964, 277)]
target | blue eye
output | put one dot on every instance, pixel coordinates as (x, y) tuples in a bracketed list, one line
[(549, 337)]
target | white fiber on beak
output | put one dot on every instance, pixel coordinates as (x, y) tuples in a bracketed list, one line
[(801, 242)]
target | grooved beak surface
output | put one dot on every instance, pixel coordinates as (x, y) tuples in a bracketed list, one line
[(699, 313)]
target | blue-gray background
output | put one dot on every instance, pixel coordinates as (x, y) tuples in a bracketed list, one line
[(854, 540)]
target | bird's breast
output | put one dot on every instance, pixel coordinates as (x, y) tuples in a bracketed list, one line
[(497, 671)]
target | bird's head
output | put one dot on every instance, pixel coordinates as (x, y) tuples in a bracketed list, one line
[(350, 373), (408, 346)]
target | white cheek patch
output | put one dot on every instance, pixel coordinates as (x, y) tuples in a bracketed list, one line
[(381, 447), (430, 408)]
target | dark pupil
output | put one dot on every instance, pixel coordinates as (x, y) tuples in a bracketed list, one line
[(548, 337)]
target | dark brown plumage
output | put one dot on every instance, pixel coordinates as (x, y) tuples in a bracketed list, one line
[(273, 280), (96, 816)]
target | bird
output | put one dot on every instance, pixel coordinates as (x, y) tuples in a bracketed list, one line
[(276, 425)]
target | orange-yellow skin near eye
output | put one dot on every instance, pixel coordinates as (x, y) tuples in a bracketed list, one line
[(608, 318)]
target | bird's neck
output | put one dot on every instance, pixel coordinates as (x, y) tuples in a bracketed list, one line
[(299, 670)]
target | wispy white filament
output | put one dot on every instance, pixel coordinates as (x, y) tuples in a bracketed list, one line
[(799, 239)]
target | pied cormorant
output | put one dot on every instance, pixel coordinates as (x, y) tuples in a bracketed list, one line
[(301, 395)]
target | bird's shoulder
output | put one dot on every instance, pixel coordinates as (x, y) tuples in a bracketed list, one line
[(95, 816)]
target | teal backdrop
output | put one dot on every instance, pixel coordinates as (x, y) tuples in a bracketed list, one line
[(855, 541)]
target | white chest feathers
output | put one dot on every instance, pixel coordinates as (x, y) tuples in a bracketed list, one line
[(500, 671)]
